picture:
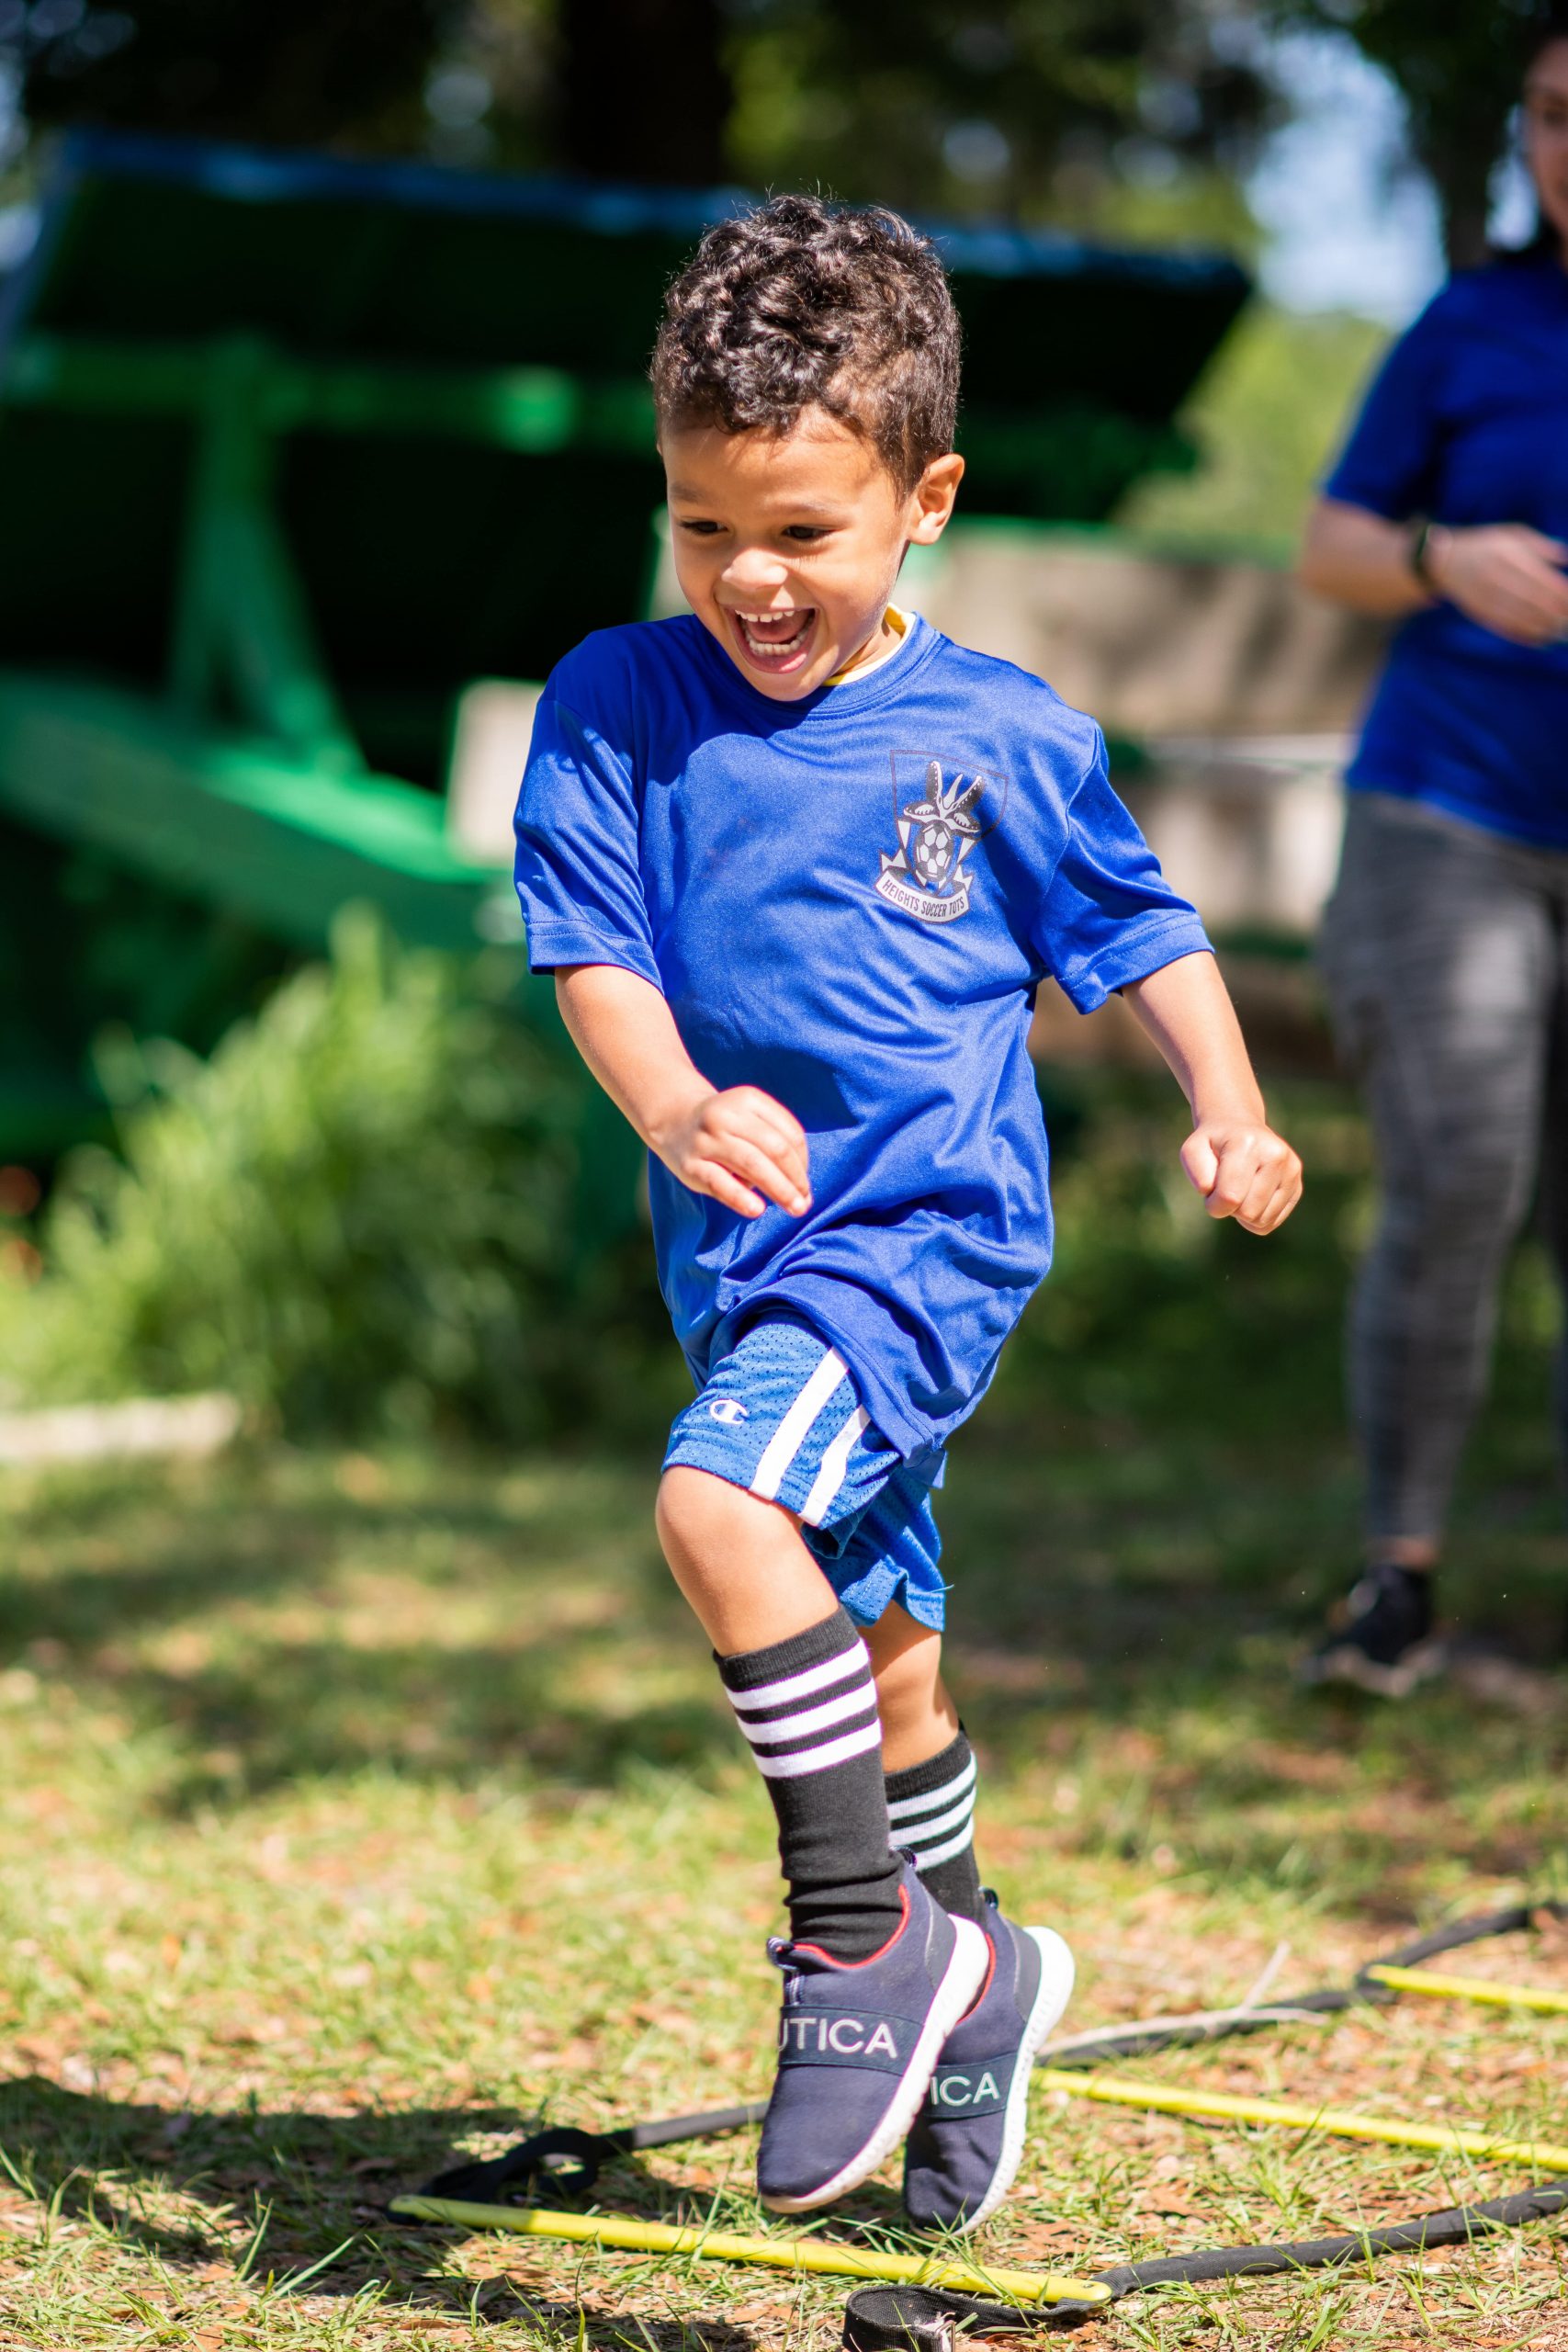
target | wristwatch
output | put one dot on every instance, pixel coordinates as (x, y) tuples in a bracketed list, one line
[(1420, 538)]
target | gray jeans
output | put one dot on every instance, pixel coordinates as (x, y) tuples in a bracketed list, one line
[(1445, 953)]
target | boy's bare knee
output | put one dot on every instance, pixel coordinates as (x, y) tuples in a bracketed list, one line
[(739, 1561), (697, 1513)]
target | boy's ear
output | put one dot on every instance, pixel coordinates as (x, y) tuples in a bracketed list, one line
[(932, 498)]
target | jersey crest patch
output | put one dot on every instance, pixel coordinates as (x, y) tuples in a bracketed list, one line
[(939, 815)]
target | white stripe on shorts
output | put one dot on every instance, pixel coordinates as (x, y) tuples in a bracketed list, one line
[(818, 1760), (835, 1462), (810, 1719), (856, 1660), (791, 1433)]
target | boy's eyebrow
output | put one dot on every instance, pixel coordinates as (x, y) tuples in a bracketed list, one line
[(802, 509)]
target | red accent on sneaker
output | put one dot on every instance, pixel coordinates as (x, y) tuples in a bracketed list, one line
[(849, 1966)]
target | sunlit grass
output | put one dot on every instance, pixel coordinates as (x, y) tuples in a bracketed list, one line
[(362, 1808)]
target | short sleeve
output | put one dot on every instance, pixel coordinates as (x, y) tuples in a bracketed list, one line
[(1389, 464), (1109, 916), (576, 871)]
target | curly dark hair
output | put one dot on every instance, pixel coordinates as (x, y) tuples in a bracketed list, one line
[(801, 304)]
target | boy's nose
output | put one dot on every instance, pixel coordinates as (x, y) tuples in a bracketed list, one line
[(755, 571)]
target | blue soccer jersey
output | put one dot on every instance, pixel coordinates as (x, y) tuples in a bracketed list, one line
[(848, 901), (1468, 423)]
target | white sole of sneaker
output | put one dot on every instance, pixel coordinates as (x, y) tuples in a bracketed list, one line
[(1057, 1971), (1351, 1666), (964, 1975)]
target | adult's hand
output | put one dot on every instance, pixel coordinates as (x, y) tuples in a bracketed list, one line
[(1504, 576)]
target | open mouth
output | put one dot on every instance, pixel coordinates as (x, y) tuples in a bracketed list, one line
[(774, 642)]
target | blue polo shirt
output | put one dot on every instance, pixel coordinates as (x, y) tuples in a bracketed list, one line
[(848, 901), (1467, 423)]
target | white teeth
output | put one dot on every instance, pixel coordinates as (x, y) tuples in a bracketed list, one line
[(775, 645)]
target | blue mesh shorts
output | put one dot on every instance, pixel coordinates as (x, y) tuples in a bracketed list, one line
[(779, 1416)]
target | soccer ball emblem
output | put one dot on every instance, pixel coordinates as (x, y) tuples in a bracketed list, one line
[(931, 854), (940, 827)]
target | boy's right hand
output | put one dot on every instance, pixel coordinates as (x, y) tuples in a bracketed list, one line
[(741, 1148)]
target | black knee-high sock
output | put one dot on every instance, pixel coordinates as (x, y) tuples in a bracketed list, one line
[(808, 1707), (930, 1810)]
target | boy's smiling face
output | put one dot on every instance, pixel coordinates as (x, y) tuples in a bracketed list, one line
[(787, 546)]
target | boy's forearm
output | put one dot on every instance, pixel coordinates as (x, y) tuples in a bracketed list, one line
[(1233, 1156), (626, 1033), (735, 1143), (1186, 1009)]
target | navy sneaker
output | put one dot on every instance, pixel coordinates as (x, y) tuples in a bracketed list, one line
[(966, 2144), (1384, 1644), (857, 2043)]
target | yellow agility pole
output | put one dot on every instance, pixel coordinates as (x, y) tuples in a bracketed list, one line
[(1469, 1988), (827, 2255), (1342, 2123)]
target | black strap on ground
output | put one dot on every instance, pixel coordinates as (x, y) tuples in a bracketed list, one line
[(1137, 2041), (923, 2319), (1475, 1930), (570, 2160)]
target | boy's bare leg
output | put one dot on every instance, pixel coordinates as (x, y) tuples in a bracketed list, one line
[(796, 1673), (740, 1562), (918, 1718)]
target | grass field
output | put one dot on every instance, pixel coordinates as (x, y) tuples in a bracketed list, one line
[(362, 1808)]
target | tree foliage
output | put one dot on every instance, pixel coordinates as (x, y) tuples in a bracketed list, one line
[(1031, 107), (1458, 64), (1109, 114), (322, 73), (1028, 108)]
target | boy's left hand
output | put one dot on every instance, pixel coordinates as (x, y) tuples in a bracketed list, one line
[(1243, 1169)]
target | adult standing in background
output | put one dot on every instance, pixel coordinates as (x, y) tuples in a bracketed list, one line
[(1445, 947)]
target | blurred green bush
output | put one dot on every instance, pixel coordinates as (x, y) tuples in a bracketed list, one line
[(365, 1215), (358, 1213), (1158, 1316), (1267, 415)]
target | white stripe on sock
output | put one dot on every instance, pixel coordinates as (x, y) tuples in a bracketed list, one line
[(944, 1853), (856, 1660), (835, 1462), (791, 1433), (835, 1710), (818, 1759), (914, 1834), (904, 1807)]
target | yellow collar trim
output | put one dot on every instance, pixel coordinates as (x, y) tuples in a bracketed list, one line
[(899, 622)]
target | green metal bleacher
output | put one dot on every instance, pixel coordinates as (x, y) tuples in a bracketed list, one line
[(293, 448)]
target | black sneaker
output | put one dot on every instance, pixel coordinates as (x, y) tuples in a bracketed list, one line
[(1384, 1644)]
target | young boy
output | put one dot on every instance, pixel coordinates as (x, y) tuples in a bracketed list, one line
[(798, 863)]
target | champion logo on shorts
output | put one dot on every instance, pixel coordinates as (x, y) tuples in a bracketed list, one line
[(817, 2033), (937, 830), (727, 1409)]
